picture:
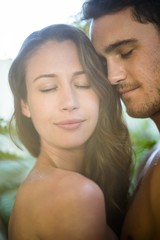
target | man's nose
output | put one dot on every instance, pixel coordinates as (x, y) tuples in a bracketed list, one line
[(116, 72)]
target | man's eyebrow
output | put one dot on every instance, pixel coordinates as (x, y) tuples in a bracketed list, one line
[(112, 47)]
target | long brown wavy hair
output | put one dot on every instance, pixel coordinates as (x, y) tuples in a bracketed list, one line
[(108, 152)]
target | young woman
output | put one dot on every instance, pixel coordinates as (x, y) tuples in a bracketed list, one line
[(68, 117)]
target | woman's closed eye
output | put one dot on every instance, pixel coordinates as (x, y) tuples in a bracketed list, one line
[(85, 86), (82, 82), (49, 89)]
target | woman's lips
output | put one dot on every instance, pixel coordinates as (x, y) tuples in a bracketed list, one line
[(70, 124)]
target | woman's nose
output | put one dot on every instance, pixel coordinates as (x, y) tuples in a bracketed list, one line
[(69, 100)]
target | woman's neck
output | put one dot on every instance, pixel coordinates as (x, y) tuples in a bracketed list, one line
[(67, 159)]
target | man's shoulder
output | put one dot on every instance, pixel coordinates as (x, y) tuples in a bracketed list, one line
[(155, 190), (144, 208)]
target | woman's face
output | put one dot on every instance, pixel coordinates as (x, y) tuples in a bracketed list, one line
[(60, 101)]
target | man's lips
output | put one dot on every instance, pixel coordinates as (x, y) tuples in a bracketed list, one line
[(69, 124), (126, 91)]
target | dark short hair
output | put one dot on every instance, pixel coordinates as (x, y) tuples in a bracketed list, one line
[(143, 10)]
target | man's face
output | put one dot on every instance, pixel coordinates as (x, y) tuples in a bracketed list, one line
[(132, 54)]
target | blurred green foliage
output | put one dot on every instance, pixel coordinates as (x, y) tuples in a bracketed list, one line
[(15, 164), (81, 24), (143, 137), (4, 130), (7, 155), (3, 126)]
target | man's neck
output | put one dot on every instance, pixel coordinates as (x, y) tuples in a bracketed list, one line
[(156, 120)]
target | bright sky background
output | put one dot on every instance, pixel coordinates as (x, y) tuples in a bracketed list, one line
[(18, 18)]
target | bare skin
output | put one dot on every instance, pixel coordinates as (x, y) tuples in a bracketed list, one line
[(72, 207), (131, 52), (143, 217)]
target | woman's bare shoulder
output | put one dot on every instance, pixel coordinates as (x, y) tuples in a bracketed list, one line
[(65, 205), (67, 186), (76, 209), (77, 205), (56, 183)]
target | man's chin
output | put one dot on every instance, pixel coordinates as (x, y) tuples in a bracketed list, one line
[(136, 114)]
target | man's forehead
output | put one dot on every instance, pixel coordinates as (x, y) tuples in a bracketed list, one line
[(114, 27)]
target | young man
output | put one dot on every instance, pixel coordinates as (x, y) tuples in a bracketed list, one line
[(126, 33)]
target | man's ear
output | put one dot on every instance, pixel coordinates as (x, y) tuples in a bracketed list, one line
[(25, 109)]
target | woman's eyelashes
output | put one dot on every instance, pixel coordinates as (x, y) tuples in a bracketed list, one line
[(85, 86), (50, 89), (81, 81), (55, 88)]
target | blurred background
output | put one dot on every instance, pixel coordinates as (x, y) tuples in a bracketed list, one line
[(18, 18)]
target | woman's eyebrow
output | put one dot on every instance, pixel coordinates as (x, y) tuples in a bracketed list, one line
[(51, 75), (112, 47), (79, 73)]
